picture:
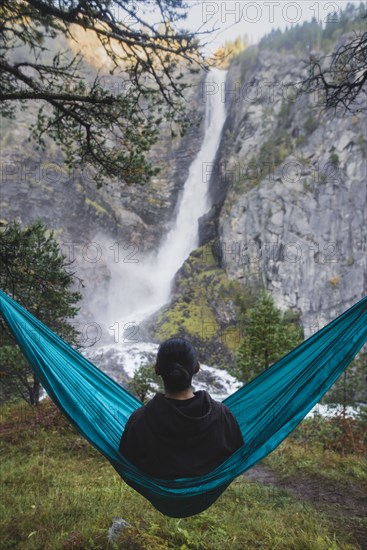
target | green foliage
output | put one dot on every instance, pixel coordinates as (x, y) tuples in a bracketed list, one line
[(333, 448), (145, 382), (247, 60), (273, 151), (351, 388), (334, 158), (314, 35), (16, 378), (268, 335), (344, 435), (35, 273)]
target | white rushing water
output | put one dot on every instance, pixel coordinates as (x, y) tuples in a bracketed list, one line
[(139, 289), (119, 361)]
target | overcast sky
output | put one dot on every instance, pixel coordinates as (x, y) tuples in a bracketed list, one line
[(255, 18)]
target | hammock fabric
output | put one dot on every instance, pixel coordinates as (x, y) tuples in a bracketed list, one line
[(267, 409)]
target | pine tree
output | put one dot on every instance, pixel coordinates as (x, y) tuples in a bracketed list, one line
[(35, 273), (351, 388), (144, 382), (268, 335)]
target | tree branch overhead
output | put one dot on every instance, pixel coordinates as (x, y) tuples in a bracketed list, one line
[(42, 60)]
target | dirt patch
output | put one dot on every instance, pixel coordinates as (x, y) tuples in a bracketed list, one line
[(344, 503)]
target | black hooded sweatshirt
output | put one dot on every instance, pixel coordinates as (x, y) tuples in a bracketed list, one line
[(171, 438)]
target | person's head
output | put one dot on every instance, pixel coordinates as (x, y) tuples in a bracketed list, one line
[(176, 362)]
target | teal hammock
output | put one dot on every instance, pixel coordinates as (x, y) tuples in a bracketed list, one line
[(267, 409)]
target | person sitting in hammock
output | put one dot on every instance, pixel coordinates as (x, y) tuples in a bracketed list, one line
[(180, 433)]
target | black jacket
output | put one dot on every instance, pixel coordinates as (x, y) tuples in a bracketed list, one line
[(169, 438)]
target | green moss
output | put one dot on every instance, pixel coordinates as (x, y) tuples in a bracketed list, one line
[(301, 140), (323, 179), (154, 201), (272, 153), (203, 295), (193, 318), (334, 158), (231, 337), (99, 209)]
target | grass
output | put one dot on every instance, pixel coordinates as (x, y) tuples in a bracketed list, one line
[(291, 458), (59, 493), (334, 449)]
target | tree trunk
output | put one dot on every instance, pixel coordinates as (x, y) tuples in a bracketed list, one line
[(34, 394), (344, 410)]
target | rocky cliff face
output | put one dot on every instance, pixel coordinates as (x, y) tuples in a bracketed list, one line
[(291, 183)]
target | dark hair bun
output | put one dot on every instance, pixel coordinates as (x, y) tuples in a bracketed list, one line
[(176, 362), (177, 377)]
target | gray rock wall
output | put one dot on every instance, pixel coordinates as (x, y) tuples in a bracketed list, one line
[(295, 214)]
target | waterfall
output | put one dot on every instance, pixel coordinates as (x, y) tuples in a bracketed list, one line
[(194, 203), (138, 290)]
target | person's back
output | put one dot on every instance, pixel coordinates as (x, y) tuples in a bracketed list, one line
[(180, 433)]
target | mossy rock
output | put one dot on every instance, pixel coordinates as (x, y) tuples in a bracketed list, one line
[(204, 308), (98, 208)]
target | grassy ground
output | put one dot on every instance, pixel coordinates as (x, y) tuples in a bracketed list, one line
[(59, 493)]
